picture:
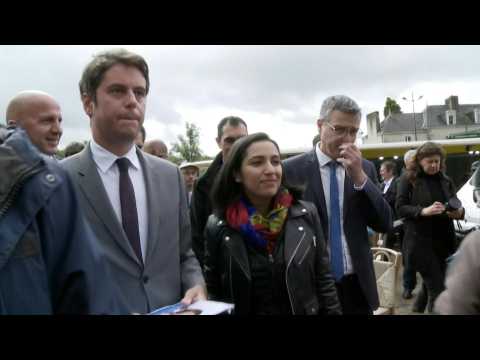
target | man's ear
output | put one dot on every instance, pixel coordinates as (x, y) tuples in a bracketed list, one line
[(319, 124), (218, 142), (88, 105), (12, 123)]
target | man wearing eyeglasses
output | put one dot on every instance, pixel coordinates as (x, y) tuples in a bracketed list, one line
[(345, 189)]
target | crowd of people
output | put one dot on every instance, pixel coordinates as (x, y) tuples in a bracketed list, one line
[(115, 228)]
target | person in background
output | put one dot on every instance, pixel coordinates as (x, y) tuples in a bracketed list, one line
[(409, 274), (229, 130), (427, 201), (156, 148), (190, 174), (389, 190), (462, 286), (265, 249), (39, 114), (141, 136)]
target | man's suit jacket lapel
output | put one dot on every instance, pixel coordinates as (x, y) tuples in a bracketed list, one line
[(348, 193), (155, 200), (92, 186), (382, 186)]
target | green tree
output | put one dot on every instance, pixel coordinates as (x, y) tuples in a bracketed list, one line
[(391, 107), (188, 147)]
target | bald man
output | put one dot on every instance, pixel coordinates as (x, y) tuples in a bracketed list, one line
[(40, 116), (156, 148)]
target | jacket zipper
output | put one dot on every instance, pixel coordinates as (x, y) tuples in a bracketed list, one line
[(231, 279), (16, 188), (290, 297), (305, 254)]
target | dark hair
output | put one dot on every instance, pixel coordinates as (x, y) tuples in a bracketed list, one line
[(144, 133), (426, 150), (3, 133), (95, 70), (390, 166), (230, 120), (73, 148), (226, 190)]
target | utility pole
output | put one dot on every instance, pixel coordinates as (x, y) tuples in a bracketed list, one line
[(413, 105)]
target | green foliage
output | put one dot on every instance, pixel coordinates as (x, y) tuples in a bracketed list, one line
[(188, 147), (174, 159), (60, 154), (391, 107)]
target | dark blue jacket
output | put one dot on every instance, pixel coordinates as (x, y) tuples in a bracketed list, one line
[(49, 262), (361, 209)]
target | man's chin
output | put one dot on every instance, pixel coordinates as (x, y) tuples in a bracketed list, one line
[(48, 149), (50, 152)]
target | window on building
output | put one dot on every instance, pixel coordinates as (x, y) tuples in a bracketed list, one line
[(408, 138), (450, 120)]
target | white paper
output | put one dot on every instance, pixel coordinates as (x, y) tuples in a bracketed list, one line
[(202, 307)]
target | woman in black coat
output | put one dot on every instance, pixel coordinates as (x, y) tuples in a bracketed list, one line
[(424, 192), (265, 250)]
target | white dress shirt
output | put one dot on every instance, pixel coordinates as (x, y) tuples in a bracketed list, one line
[(323, 161), (189, 197), (108, 171), (387, 185)]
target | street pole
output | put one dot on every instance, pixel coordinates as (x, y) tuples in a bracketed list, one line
[(414, 121)]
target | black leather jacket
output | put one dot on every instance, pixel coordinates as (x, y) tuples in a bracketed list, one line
[(310, 285), (201, 206)]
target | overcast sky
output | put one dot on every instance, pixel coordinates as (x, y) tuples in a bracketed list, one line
[(276, 89)]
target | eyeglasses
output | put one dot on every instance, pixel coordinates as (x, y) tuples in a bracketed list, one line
[(342, 131)]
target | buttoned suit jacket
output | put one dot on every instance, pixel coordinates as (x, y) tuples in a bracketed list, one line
[(391, 195)]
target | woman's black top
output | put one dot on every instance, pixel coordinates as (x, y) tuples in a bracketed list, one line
[(269, 290), (438, 223)]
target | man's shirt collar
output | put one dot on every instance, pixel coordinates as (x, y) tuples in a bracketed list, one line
[(105, 159)]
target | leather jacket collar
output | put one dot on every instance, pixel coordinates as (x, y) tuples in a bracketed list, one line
[(294, 236)]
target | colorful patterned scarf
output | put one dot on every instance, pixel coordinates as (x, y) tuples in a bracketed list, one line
[(259, 231)]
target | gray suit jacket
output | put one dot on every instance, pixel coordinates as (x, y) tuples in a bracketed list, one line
[(170, 265), (360, 209)]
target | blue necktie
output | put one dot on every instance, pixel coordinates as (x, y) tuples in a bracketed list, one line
[(335, 231)]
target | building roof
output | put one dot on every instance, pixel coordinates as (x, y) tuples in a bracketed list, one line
[(436, 114), (436, 117), (401, 122)]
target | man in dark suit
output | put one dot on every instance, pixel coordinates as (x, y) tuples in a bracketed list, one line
[(409, 273), (389, 190), (135, 203), (345, 189)]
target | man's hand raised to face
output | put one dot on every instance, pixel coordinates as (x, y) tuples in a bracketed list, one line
[(351, 159)]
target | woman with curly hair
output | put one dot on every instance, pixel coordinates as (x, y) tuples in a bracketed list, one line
[(426, 198)]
